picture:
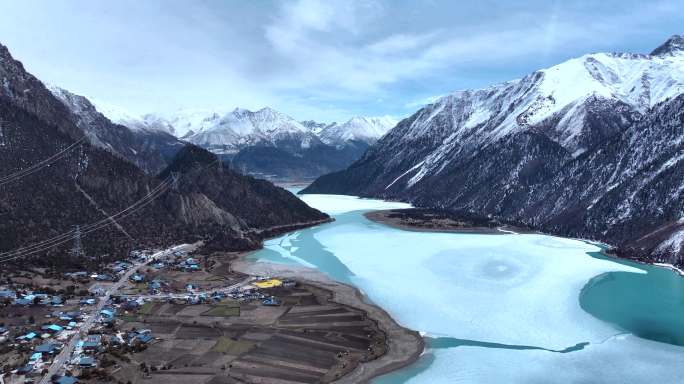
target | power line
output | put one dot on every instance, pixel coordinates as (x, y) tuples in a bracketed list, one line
[(94, 226), (39, 165), (77, 251), (70, 235), (62, 240)]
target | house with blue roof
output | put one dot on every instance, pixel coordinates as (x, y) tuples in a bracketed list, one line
[(28, 336), (137, 278), (47, 348), (54, 328), (66, 380), (145, 338), (88, 301), (90, 346), (94, 338), (104, 277), (108, 312), (76, 275), (131, 304), (92, 343), (154, 285), (23, 302), (87, 362), (25, 369)]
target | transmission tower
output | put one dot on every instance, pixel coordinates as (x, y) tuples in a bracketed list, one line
[(77, 250), (174, 182)]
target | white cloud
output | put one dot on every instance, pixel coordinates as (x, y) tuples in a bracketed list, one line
[(327, 59)]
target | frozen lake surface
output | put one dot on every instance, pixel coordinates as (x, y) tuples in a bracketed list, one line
[(496, 308)]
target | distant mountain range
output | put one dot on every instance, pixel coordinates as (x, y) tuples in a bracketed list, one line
[(150, 148), (592, 147), (63, 164), (265, 143)]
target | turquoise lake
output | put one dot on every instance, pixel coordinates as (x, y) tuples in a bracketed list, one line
[(508, 308)]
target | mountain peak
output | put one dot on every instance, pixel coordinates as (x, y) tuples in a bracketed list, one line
[(241, 111), (268, 110), (673, 45), (4, 52), (189, 158), (358, 128)]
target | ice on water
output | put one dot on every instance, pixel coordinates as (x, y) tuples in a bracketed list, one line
[(506, 289), (620, 360), (337, 204), (510, 289)]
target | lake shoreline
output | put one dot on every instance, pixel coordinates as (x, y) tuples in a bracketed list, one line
[(387, 217), (404, 345), (390, 218)]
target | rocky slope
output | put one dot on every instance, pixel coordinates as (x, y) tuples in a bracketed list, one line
[(264, 143), (52, 178), (148, 147), (591, 147)]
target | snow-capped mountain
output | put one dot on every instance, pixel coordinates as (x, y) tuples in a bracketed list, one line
[(73, 181), (243, 128), (361, 129), (591, 147), (265, 142), (150, 148), (118, 115), (315, 126)]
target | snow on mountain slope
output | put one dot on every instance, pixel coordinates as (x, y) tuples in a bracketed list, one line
[(228, 132), (242, 128), (592, 147), (150, 148), (315, 127), (118, 115), (640, 81), (364, 129), (189, 121), (560, 100)]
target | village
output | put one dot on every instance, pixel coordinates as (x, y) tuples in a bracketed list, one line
[(95, 326)]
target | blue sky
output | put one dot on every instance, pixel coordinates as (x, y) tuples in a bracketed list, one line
[(322, 60)]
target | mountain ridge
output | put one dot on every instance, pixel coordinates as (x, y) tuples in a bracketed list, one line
[(551, 130), (264, 143), (74, 182)]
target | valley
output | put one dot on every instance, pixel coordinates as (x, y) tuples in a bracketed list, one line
[(266, 143), (352, 192), (496, 307), (589, 148)]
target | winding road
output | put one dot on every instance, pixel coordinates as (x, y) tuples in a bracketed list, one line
[(65, 354)]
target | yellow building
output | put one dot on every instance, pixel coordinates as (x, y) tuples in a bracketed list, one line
[(270, 283)]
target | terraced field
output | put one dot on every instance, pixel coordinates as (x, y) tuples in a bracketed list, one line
[(308, 339)]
